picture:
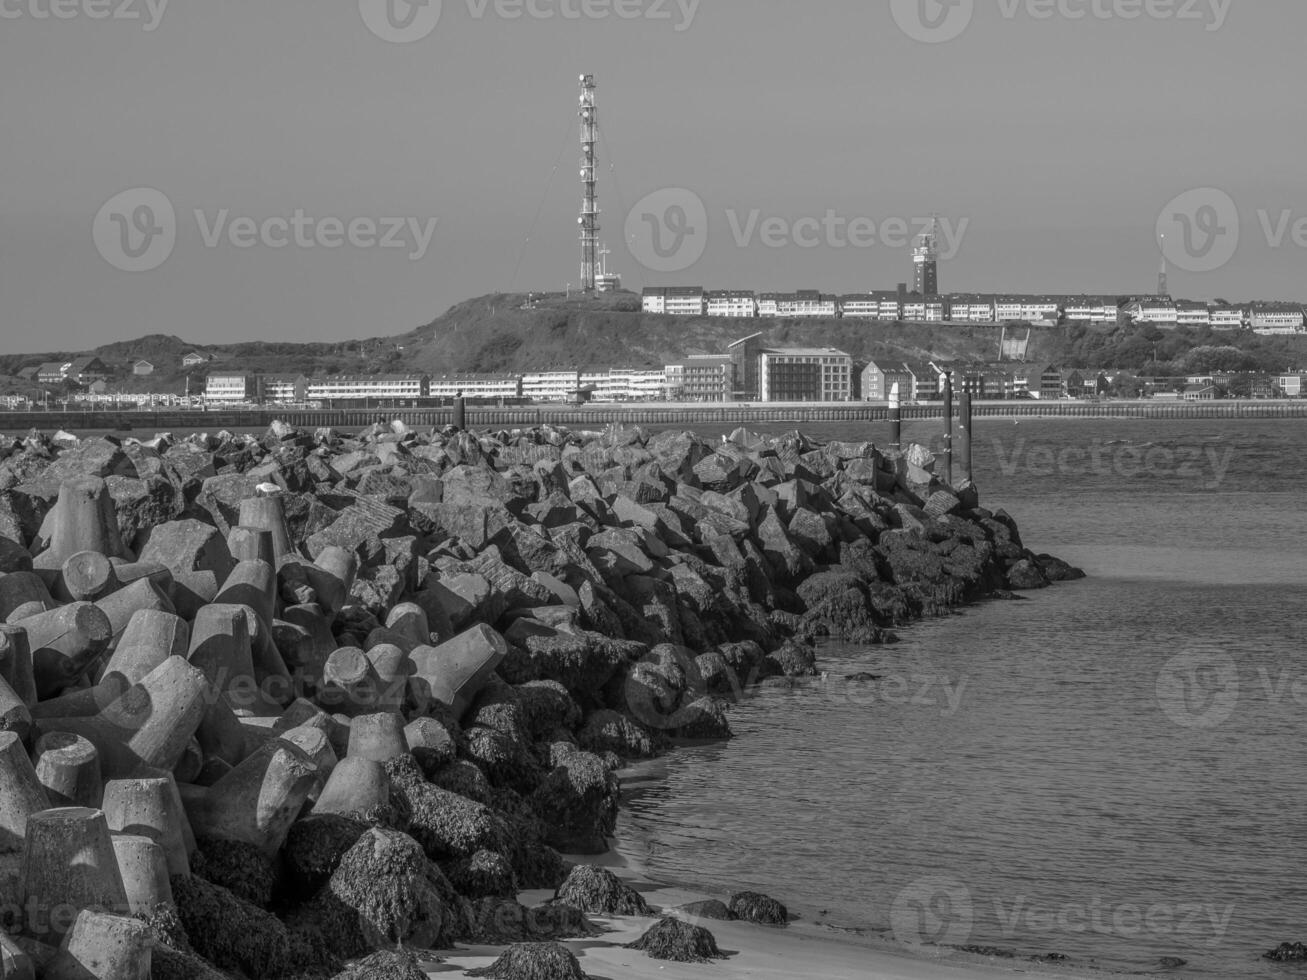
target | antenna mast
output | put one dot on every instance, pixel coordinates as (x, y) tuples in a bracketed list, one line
[(589, 220)]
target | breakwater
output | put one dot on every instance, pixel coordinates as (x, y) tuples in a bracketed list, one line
[(356, 691), (596, 416)]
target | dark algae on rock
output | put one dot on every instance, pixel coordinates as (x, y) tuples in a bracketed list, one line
[(681, 942)]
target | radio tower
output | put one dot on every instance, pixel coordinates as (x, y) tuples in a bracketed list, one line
[(1162, 287), (589, 220)]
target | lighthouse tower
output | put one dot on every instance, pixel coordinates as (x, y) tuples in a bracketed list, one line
[(925, 259), (589, 220)]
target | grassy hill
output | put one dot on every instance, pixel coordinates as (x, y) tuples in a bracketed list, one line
[(506, 333)]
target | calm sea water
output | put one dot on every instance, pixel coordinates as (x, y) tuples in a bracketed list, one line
[(1112, 770)]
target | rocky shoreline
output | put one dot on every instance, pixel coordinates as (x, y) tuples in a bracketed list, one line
[(268, 705)]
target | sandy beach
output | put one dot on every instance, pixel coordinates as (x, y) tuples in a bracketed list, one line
[(759, 953)]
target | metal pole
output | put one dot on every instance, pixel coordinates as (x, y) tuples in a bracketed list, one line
[(948, 427), (895, 418), (965, 433)]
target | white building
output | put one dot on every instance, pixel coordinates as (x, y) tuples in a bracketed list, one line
[(923, 309), (732, 303), (1191, 314), (1026, 309), (477, 386), (1157, 310), (348, 387), (769, 304), (1090, 309), (626, 384), (230, 387), (654, 299), (1293, 385), (283, 389), (1276, 318), (685, 301), (551, 386), (806, 303), (971, 308), (1226, 317)]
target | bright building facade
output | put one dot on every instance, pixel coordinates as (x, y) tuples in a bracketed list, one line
[(551, 386), (732, 303), (820, 374)]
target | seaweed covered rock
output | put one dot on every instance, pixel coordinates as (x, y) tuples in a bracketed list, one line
[(1288, 953), (241, 868), (386, 892), (167, 963), (500, 921), (483, 875), (758, 908), (235, 935), (600, 892), (612, 731), (533, 961), (447, 825), (577, 801), (398, 964), (315, 846), (701, 720), (680, 942)]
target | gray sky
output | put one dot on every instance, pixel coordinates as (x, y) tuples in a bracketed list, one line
[(1055, 142)]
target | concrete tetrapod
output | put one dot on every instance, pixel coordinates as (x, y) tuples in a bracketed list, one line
[(65, 643), (82, 519), (252, 544), (144, 871), (21, 792), (150, 638), (152, 807), (377, 737), (121, 606), (69, 768), (16, 663), (150, 725), (23, 594), (257, 801), (103, 947), (455, 671), (356, 786), (14, 714), (68, 863), (269, 514), (85, 577)]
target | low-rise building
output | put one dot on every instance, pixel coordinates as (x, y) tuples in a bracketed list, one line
[(806, 303), (685, 301), (283, 389), (732, 303), (195, 359), (1189, 313), (1160, 311), (142, 368), (769, 304), (1090, 309), (558, 385), (971, 308), (1225, 317), (1026, 309), (923, 309), (381, 387), (231, 387), (488, 386), (654, 299), (704, 378), (879, 379), (1199, 393), (1276, 318), (798, 374), (1294, 385)]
